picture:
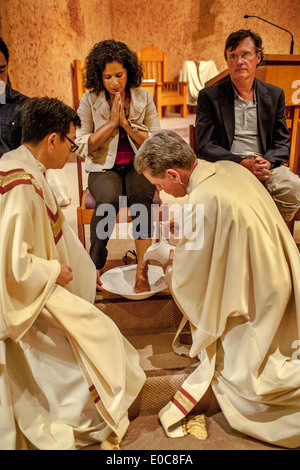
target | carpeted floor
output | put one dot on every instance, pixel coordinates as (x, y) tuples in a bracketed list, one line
[(146, 433)]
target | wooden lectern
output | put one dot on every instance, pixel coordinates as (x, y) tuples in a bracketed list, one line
[(282, 70)]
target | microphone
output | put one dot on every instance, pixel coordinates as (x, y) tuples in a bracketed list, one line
[(292, 43)]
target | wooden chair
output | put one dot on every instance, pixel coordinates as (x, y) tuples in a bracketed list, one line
[(192, 137), (295, 156), (77, 81), (167, 93), (86, 202), (293, 120)]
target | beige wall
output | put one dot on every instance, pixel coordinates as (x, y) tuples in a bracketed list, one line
[(44, 36)]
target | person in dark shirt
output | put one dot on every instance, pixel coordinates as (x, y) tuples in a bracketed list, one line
[(11, 104)]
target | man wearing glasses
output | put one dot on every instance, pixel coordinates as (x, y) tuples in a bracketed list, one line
[(76, 373), (242, 119)]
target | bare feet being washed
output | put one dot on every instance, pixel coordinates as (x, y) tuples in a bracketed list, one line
[(141, 280), (98, 281)]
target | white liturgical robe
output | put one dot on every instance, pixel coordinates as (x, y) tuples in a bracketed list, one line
[(240, 291), (67, 375)]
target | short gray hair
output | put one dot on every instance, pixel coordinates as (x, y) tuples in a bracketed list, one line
[(163, 150)]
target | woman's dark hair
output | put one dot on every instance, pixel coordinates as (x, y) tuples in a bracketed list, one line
[(42, 116), (105, 52), (4, 50), (235, 38)]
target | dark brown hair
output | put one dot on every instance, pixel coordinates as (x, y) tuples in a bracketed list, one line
[(106, 52), (42, 116), (235, 38)]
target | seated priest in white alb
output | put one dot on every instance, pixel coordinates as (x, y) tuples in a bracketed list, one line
[(67, 375)]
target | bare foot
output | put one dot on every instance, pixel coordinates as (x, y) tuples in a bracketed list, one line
[(98, 281), (141, 280)]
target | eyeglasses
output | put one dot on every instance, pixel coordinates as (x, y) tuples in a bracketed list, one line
[(74, 147), (233, 58)]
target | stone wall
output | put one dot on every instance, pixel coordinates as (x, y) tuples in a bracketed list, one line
[(44, 36), (197, 29)]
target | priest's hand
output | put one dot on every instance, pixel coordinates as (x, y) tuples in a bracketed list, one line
[(172, 226), (169, 262), (65, 276), (98, 281)]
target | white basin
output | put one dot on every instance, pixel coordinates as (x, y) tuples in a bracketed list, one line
[(121, 281)]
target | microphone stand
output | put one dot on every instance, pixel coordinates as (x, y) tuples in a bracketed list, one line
[(292, 43)]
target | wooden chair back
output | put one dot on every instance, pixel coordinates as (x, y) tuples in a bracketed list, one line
[(154, 63), (167, 93), (192, 137), (78, 87), (293, 119)]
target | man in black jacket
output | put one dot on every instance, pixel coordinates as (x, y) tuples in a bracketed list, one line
[(11, 105), (242, 119)]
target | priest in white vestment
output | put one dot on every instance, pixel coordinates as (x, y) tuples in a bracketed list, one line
[(235, 275), (67, 375)]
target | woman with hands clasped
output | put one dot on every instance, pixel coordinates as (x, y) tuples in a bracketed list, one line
[(116, 118)]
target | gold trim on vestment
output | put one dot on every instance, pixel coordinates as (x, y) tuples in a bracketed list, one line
[(56, 222), (8, 178), (12, 178), (184, 401)]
